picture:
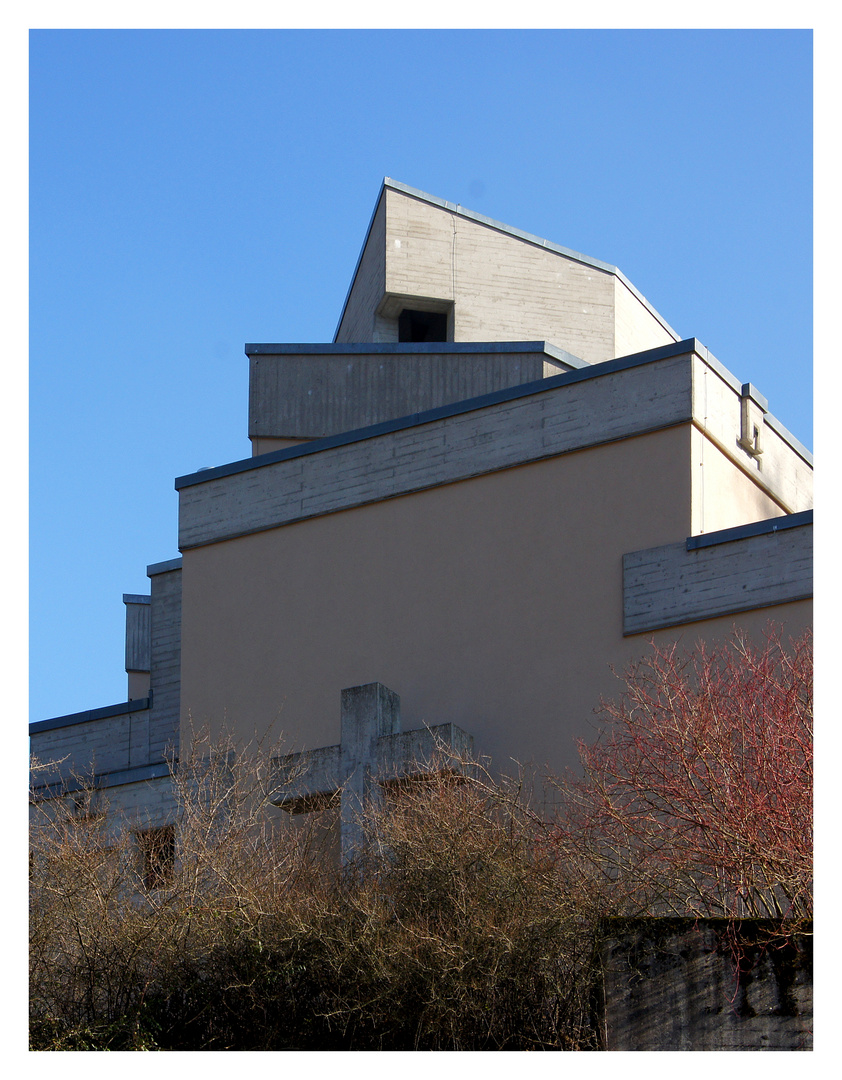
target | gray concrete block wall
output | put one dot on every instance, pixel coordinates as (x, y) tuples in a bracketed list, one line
[(668, 586), (102, 745), (568, 416), (165, 662), (148, 804), (128, 738)]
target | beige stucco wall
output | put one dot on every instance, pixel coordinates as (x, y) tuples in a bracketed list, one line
[(494, 603), (261, 444), (795, 618), (724, 493)]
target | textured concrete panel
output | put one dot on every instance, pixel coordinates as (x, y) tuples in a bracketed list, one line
[(101, 745), (668, 586), (138, 632), (166, 665), (310, 395), (503, 284)]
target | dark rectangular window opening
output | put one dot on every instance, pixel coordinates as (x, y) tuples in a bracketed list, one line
[(157, 852), (422, 325)]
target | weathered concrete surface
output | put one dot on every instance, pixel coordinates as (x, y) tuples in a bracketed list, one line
[(501, 284), (671, 585), (675, 984), (325, 390)]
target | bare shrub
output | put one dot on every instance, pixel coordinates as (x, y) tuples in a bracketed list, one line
[(697, 800), (455, 932), (451, 933)]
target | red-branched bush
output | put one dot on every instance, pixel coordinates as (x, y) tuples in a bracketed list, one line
[(697, 798)]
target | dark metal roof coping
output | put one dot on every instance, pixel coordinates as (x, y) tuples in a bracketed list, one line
[(756, 528)]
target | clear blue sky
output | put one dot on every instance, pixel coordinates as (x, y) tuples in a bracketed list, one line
[(191, 191)]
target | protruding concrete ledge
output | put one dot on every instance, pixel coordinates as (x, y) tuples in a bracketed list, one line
[(91, 714), (512, 394), (497, 432), (738, 570), (102, 780), (421, 348), (163, 567), (136, 598)]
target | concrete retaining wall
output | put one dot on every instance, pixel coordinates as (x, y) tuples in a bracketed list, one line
[(674, 984)]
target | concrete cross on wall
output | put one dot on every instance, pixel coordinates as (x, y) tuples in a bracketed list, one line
[(372, 750)]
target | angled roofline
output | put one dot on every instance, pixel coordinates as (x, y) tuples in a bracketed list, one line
[(470, 215)]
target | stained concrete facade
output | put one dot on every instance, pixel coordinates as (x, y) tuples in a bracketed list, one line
[(485, 523), (705, 985)]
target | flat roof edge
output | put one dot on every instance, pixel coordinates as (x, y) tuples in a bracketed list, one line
[(116, 778), (742, 389), (120, 709), (422, 348), (754, 528), (163, 567), (789, 438)]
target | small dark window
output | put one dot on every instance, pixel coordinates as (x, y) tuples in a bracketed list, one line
[(157, 851), (422, 325)]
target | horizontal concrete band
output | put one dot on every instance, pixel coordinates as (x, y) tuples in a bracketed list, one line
[(102, 780), (671, 585), (561, 414), (591, 371), (91, 714)]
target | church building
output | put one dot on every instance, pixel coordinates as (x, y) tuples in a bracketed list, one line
[(503, 478)]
